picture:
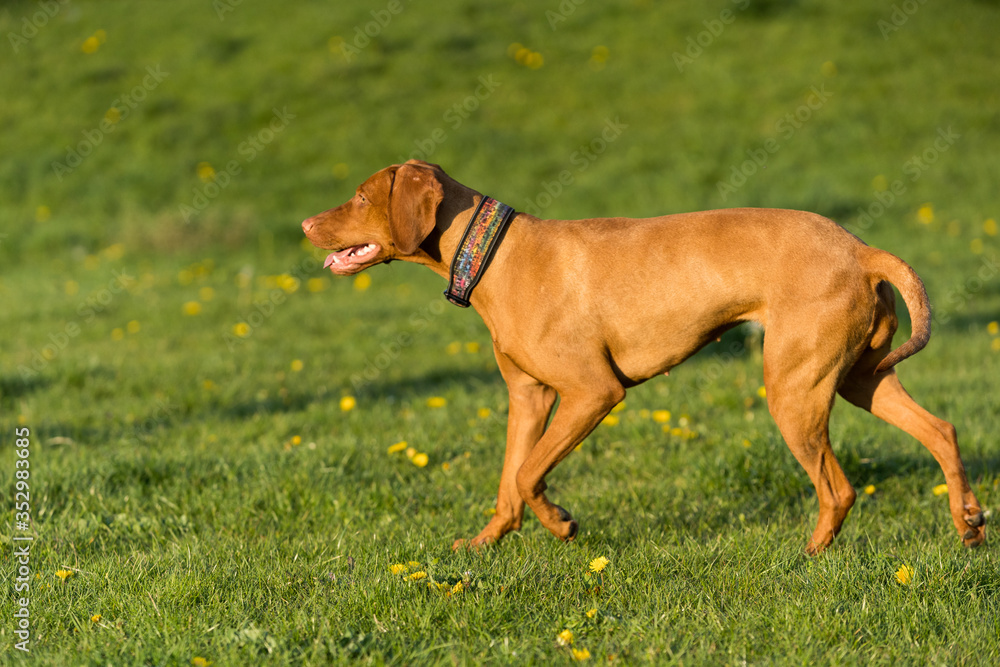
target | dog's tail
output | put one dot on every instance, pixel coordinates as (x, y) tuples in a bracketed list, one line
[(888, 267)]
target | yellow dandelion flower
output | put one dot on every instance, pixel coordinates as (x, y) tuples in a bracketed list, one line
[(484, 413), (417, 576), (348, 403), (398, 568), (317, 284), (71, 287), (880, 183), (413, 563), (645, 414), (565, 638), (610, 420), (746, 443), (42, 213), (990, 227), (598, 564), (829, 69), (341, 171), (410, 452), (296, 439), (472, 347), (288, 283), (677, 430), (296, 365), (199, 661), (241, 329), (580, 654), (96, 618), (206, 293), (362, 282), (600, 53), (90, 45), (117, 333), (64, 574), (113, 115), (458, 588), (535, 60), (618, 407), (514, 48), (661, 416), (208, 385), (436, 402), (870, 489), (925, 214), (592, 612), (904, 574), (206, 172), (398, 447), (993, 328), (762, 392), (446, 466), (420, 460), (192, 308), (940, 490), (453, 347), (133, 326), (995, 344)]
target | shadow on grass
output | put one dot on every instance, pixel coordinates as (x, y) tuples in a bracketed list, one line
[(16, 387), (447, 380)]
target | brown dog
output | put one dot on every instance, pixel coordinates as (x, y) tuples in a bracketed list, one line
[(584, 309)]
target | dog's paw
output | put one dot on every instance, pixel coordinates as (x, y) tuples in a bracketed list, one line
[(574, 528), (976, 522), (567, 527), (477, 543)]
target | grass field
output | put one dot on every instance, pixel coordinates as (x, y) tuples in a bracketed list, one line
[(210, 413)]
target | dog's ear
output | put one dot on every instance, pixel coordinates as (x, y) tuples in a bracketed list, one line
[(413, 202)]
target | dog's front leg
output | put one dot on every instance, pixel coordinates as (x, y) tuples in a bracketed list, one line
[(578, 415), (530, 405)]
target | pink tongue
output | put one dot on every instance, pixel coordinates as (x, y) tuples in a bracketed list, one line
[(343, 257)]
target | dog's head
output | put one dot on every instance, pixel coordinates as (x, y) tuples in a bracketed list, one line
[(390, 215)]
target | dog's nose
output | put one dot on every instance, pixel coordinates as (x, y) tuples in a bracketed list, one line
[(307, 224)]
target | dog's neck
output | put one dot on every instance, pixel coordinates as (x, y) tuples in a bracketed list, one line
[(453, 216)]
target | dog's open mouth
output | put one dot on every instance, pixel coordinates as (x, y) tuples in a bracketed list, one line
[(349, 258)]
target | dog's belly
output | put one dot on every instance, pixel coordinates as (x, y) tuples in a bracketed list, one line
[(657, 344)]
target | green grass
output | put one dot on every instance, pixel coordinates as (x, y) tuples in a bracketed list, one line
[(164, 472)]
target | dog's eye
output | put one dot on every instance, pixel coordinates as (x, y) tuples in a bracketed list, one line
[(362, 198)]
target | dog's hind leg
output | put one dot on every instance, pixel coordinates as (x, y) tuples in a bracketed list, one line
[(801, 385), (883, 395)]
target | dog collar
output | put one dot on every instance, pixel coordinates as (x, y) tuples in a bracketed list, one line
[(479, 243)]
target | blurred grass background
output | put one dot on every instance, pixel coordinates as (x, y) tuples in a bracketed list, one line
[(182, 367)]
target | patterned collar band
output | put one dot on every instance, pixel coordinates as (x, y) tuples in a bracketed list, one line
[(479, 243)]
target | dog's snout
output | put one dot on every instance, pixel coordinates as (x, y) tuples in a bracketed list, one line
[(307, 224)]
